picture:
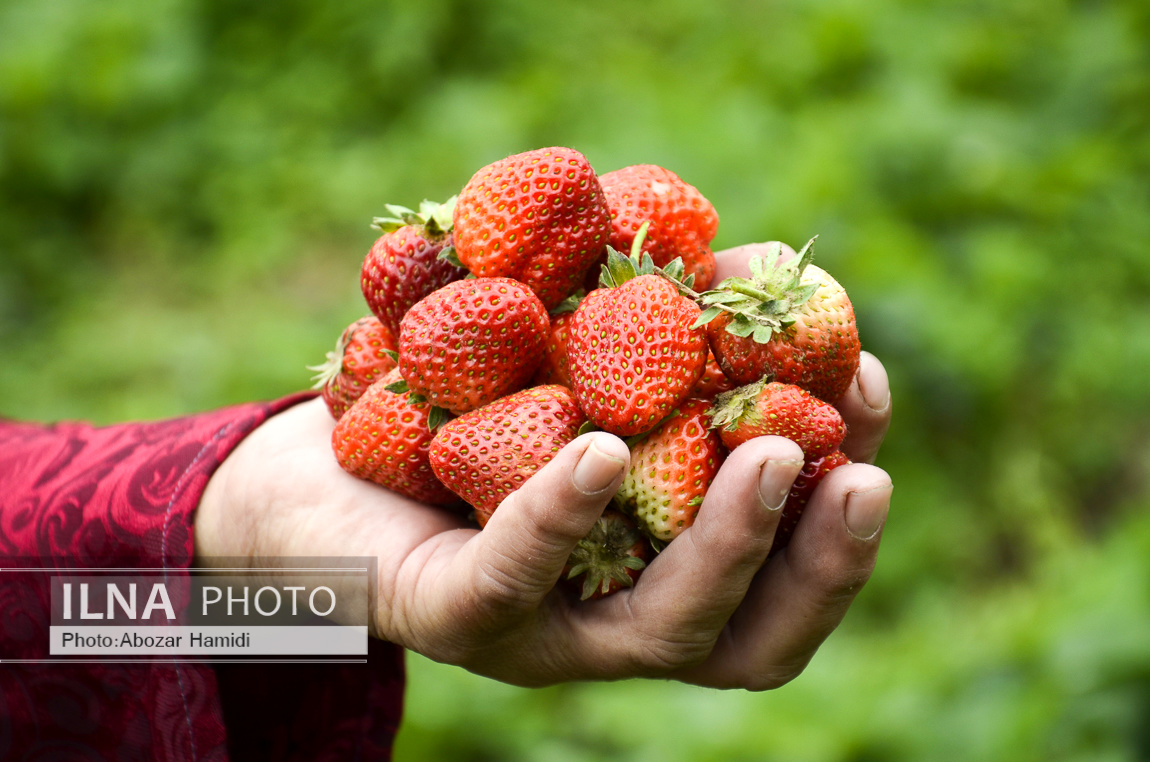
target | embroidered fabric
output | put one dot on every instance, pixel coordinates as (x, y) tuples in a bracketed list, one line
[(77, 496)]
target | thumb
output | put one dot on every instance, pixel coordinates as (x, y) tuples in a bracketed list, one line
[(522, 550)]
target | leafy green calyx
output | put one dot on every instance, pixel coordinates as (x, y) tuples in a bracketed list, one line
[(435, 218), (603, 556), (620, 269), (570, 304), (587, 427), (738, 405), (333, 365), (398, 387), (766, 303), (436, 417), (451, 256)]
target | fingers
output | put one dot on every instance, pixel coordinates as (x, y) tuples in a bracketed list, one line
[(733, 262), (804, 592), (866, 409), (684, 598), (517, 558)]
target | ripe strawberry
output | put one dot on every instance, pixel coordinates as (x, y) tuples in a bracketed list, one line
[(789, 322), (785, 410), (539, 217), (384, 437), (472, 342), (610, 558), (633, 352), (485, 455), (713, 382), (683, 222), (809, 477), (671, 469), (553, 369), (405, 265), (363, 355)]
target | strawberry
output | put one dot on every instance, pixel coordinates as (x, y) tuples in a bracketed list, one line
[(671, 469), (364, 354), (713, 382), (809, 477), (472, 342), (405, 265), (486, 454), (385, 438), (789, 322), (539, 217), (633, 353), (683, 222), (553, 369), (610, 558), (784, 410)]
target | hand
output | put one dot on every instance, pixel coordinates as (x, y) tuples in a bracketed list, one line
[(705, 611)]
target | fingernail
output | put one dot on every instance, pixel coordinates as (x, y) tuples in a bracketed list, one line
[(874, 386), (775, 479), (866, 511), (595, 470)]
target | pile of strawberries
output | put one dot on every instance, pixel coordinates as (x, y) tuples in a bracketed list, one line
[(545, 301)]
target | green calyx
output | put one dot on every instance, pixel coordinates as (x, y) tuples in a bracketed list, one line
[(603, 556), (570, 304), (435, 218), (333, 366), (738, 405), (620, 269), (767, 302)]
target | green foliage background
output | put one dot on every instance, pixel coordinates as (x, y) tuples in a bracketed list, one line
[(185, 187)]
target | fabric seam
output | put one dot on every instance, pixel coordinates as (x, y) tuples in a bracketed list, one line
[(176, 493)]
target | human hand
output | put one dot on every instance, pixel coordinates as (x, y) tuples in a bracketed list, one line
[(705, 611)]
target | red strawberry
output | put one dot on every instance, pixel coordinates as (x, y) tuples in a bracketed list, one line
[(385, 438), (789, 322), (671, 469), (472, 342), (553, 369), (610, 558), (487, 454), (539, 217), (405, 265), (714, 381), (362, 356), (633, 353), (683, 222), (801, 491), (783, 410)]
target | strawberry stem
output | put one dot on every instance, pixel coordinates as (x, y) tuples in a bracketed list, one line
[(747, 290)]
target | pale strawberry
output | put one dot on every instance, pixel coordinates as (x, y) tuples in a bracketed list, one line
[(385, 438), (472, 342), (671, 469), (771, 408), (789, 322), (363, 355)]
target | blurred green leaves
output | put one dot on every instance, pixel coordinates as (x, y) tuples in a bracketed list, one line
[(185, 192)]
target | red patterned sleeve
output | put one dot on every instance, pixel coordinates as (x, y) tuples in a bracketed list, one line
[(78, 496)]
